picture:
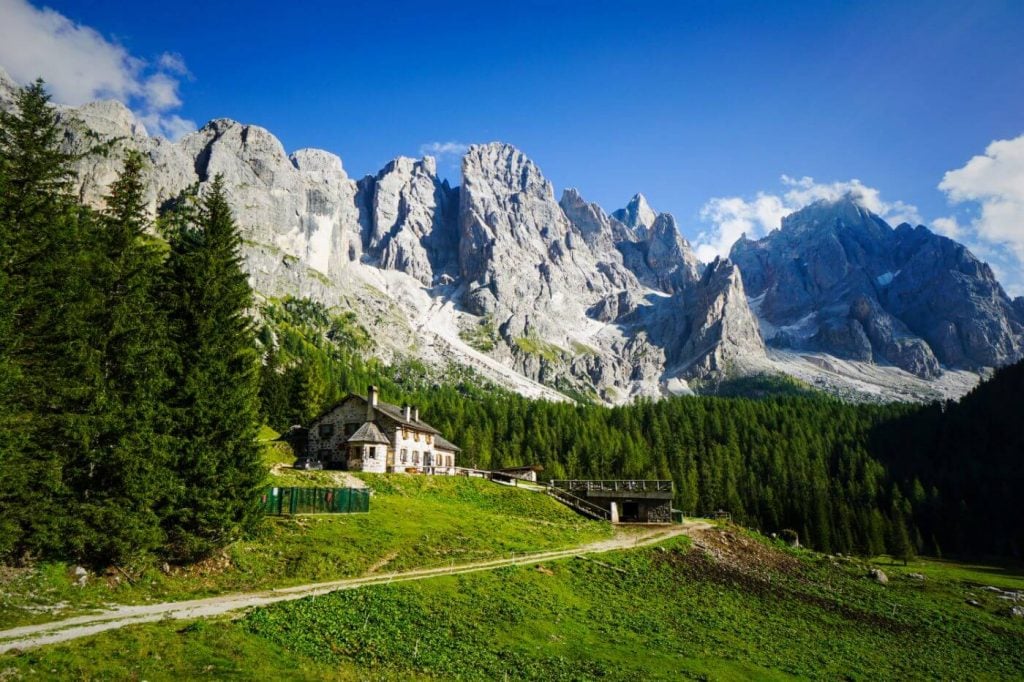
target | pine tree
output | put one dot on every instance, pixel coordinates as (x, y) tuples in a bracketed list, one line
[(216, 373)]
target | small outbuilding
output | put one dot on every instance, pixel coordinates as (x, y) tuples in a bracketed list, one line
[(629, 501)]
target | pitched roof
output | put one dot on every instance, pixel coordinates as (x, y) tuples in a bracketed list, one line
[(368, 433), (442, 444), (393, 412), (398, 414)]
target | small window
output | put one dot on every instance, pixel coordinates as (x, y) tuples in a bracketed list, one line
[(405, 456), (326, 430), (449, 458), (416, 436), (415, 457), (350, 429), (372, 451)]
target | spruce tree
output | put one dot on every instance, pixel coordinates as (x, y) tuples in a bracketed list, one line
[(120, 485), (215, 377), (44, 296)]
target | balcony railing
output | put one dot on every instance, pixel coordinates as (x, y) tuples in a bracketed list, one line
[(632, 486)]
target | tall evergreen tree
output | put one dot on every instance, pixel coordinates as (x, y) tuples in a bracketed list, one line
[(120, 484), (215, 378), (44, 357)]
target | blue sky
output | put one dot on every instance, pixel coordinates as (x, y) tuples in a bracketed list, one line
[(688, 103)]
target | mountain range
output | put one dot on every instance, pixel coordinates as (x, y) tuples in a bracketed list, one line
[(554, 297)]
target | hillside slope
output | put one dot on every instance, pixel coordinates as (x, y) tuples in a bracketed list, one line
[(727, 605)]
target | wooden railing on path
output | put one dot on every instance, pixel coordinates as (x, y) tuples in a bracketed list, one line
[(579, 504)]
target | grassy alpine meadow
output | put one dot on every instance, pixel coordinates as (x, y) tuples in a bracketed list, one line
[(414, 522), (726, 605)]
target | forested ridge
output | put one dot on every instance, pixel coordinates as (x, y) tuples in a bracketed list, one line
[(134, 377), (788, 462)]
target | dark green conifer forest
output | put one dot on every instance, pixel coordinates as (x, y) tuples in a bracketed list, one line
[(128, 375), (134, 379)]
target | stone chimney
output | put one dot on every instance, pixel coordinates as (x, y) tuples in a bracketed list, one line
[(407, 411), (415, 414), (371, 402)]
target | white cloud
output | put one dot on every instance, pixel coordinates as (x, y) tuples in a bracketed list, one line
[(173, 62), (443, 149), (80, 65), (730, 217), (948, 227), (992, 185), (733, 217), (995, 181)]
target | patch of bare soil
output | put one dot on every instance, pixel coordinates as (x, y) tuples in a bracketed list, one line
[(743, 553), (731, 557)]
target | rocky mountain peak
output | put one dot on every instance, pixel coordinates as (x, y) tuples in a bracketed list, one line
[(568, 295), (590, 221), (8, 89), (412, 219), (637, 214), (501, 163), (831, 216), (837, 278), (317, 161)]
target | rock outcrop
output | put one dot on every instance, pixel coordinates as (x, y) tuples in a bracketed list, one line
[(520, 258), (413, 221), (839, 279)]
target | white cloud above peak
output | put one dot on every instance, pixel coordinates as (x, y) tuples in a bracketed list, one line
[(727, 218), (79, 65), (990, 188), (995, 181), (442, 150)]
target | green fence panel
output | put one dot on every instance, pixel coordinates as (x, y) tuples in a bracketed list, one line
[(278, 501)]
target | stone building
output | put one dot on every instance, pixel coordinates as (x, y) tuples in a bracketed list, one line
[(366, 434)]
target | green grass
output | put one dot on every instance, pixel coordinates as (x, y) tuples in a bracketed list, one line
[(413, 522), (583, 349), (483, 336), (532, 346), (1007, 575), (655, 613)]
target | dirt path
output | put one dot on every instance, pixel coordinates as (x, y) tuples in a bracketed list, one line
[(29, 636)]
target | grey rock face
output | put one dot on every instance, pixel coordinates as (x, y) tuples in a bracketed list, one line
[(662, 259), (8, 88), (414, 219), (637, 215), (720, 330), (519, 256), (649, 244), (837, 278)]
